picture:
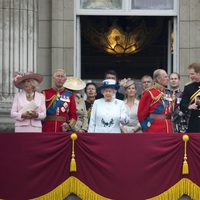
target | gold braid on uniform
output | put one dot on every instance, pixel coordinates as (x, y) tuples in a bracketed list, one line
[(52, 99), (158, 97), (155, 98), (194, 96)]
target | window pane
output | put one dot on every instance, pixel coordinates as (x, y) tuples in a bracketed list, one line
[(153, 4), (101, 4)]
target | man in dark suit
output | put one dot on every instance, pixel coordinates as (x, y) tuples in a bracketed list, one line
[(191, 98), (179, 120), (111, 74)]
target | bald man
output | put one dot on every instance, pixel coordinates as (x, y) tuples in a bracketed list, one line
[(154, 112)]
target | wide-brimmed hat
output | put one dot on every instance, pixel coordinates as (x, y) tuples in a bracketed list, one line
[(74, 83), (20, 77), (109, 83)]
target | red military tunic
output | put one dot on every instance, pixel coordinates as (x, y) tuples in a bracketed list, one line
[(61, 108), (154, 111)]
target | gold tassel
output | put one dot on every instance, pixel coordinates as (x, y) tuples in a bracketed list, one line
[(73, 165), (185, 169), (73, 161)]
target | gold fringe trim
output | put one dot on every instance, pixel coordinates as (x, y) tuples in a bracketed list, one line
[(184, 186), (71, 185), (52, 99)]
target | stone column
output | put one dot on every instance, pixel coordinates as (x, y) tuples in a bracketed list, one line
[(18, 29), (189, 48), (63, 35)]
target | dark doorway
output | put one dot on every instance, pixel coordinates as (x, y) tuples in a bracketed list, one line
[(95, 61)]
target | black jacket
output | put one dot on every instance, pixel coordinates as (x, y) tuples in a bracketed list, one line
[(194, 121)]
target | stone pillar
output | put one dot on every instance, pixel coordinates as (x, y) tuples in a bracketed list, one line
[(189, 19), (63, 35), (18, 42)]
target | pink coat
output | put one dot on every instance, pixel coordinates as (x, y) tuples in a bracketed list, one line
[(18, 104)]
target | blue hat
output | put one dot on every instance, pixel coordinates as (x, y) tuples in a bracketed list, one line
[(109, 83)]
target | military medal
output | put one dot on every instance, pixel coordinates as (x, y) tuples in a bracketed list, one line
[(167, 97), (67, 99), (57, 111), (148, 124), (62, 109), (58, 96), (65, 105)]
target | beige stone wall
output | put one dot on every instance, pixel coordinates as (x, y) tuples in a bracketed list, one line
[(189, 35), (55, 38)]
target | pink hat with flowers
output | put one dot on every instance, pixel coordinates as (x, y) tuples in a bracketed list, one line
[(20, 77)]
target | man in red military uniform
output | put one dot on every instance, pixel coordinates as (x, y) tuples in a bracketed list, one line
[(60, 104), (155, 106)]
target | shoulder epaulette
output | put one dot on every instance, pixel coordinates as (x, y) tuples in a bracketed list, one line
[(45, 92), (155, 99), (147, 89)]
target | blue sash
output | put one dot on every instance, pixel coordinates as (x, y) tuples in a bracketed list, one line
[(53, 108), (148, 121)]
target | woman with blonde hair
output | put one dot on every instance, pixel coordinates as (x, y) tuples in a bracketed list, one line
[(28, 108), (131, 103)]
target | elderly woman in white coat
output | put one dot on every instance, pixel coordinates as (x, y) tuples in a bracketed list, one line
[(108, 112), (28, 108)]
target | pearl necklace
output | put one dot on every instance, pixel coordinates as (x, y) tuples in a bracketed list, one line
[(29, 95)]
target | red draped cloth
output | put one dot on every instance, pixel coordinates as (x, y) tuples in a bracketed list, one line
[(115, 166)]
